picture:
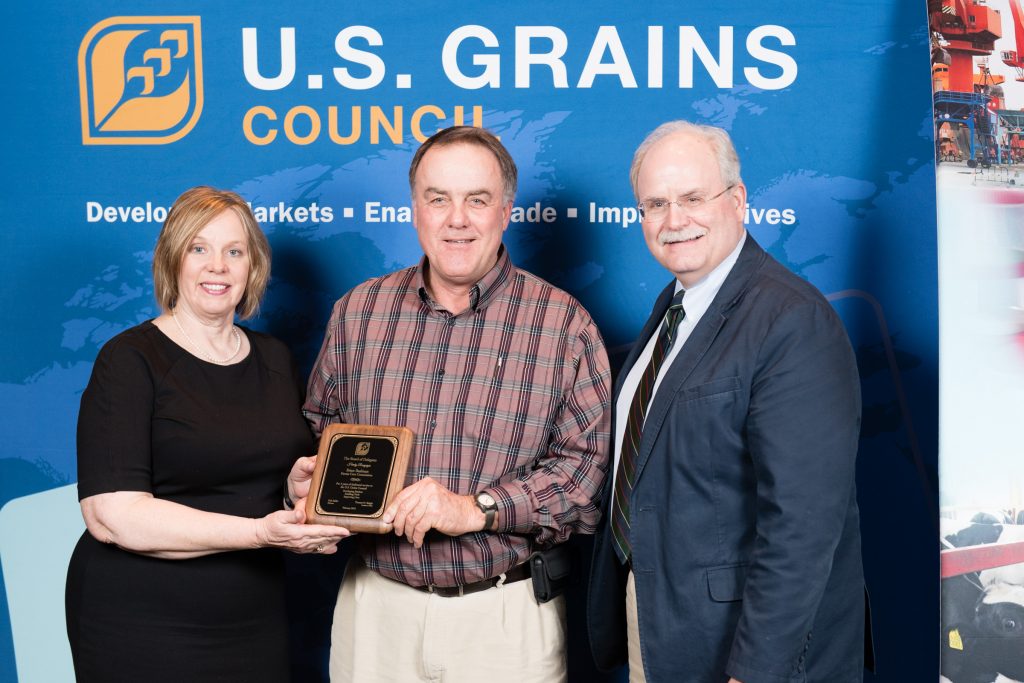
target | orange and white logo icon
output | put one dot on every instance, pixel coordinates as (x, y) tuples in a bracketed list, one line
[(141, 80)]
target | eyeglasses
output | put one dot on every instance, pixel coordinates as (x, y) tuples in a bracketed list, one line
[(690, 205)]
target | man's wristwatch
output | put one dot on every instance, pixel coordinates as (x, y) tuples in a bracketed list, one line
[(488, 506)]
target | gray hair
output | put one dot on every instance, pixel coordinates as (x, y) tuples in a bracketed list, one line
[(721, 144)]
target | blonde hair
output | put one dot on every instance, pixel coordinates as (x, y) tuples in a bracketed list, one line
[(191, 212)]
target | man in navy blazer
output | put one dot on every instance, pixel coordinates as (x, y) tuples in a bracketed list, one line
[(730, 549)]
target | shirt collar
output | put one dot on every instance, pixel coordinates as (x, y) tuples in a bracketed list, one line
[(703, 292), (483, 292)]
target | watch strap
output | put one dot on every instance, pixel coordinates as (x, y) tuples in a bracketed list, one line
[(490, 510)]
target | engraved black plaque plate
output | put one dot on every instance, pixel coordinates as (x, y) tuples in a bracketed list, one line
[(357, 475)]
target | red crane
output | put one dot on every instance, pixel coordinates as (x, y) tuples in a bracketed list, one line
[(970, 29), (1011, 57)]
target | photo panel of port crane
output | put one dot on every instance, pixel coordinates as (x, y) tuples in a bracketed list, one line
[(977, 55)]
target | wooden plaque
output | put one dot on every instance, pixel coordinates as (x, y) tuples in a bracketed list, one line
[(359, 471)]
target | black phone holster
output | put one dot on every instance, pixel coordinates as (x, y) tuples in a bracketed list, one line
[(550, 571)]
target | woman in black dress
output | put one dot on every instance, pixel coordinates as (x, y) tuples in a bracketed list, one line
[(188, 427)]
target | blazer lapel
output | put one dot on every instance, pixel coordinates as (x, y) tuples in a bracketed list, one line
[(732, 291), (660, 306)]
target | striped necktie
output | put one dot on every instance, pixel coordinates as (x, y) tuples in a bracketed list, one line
[(625, 475)]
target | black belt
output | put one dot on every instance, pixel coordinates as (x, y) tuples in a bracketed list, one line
[(517, 573)]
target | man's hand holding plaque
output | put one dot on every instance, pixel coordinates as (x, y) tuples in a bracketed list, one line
[(359, 471), (427, 505)]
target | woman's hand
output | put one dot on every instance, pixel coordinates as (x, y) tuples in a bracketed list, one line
[(287, 529), (140, 523), (300, 477)]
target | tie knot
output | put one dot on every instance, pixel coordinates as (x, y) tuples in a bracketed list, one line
[(674, 314), (675, 309)]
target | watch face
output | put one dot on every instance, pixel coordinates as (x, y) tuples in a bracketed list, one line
[(486, 500)]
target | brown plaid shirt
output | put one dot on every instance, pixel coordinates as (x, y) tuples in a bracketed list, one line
[(510, 396)]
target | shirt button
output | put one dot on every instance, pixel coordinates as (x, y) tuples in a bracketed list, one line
[(440, 373), (433, 423)]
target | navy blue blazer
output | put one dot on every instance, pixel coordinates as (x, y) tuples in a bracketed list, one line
[(745, 530)]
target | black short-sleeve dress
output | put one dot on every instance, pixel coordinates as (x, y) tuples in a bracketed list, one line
[(217, 438)]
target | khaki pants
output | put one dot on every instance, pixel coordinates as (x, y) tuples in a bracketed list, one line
[(386, 631), (636, 662)]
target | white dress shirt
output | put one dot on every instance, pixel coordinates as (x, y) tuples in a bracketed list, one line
[(696, 302)]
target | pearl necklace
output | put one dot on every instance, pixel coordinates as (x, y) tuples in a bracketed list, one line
[(218, 361)]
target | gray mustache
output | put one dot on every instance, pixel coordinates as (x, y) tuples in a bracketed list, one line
[(669, 236)]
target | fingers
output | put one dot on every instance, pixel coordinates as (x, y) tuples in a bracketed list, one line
[(405, 498), (423, 506), (409, 507), (318, 549), (320, 540), (326, 544), (417, 521), (398, 512), (285, 529), (300, 476), (304, 467), (327, 532)]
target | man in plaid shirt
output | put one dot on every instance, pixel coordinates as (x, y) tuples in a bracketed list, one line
[(504, 380)]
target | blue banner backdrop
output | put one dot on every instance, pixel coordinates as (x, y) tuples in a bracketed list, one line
[(312, 111)]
